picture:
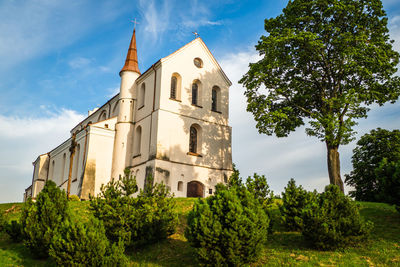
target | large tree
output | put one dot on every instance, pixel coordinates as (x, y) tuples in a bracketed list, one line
[(323, 62)]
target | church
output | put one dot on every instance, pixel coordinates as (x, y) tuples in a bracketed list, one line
[(171, 122)]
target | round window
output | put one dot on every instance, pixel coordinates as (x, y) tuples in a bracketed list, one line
[(198, 62)]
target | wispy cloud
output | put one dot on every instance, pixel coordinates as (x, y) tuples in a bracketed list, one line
[(394, 28), (79, 62), (34, 28), (22, 139)]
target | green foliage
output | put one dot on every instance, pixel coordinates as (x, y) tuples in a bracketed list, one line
[(294, 200), (323, 62), (228, 228), (334, 221), (15, 231), (137, 221), (154, 218), (41, 220), (234, 179), (371, 150), (74, 198), (259, 187), (3, 222), (388, 179), (79, 244)]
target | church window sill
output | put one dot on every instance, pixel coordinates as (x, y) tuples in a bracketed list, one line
[(217, 111), (196, 106), (76, 179), (137, 155), (174, 99), (194, 154), (141, 107)]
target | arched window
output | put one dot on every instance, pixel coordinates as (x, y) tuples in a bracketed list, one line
[(77, 152), (195, 93), (193, 140), (142, 95), (103, 116), (115, 109), (175, 92), (215, 98), (180, 186), (137, 141), (174, 82), (63, 167)]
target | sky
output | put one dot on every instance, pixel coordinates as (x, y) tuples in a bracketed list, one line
[(59, 59)]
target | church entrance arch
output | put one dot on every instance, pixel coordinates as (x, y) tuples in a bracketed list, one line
[(195, 189)]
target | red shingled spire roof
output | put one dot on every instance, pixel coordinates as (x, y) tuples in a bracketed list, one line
[(131, 62)]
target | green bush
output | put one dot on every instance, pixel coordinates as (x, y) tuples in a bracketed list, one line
[(40, 220), (3, 222), (15, 231), (137, 221), (228, 228), (74, 198), (294, 200), (79, 244), (334, 221)]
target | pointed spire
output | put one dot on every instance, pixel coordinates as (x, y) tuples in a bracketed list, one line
[(131, 62)]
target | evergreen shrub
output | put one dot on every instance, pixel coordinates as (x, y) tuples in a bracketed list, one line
[(15, 231), (40, 220), (85, 244), (3, 222), (228, 228), (74, 198), (147, 219), (294, 200), (334, 221)]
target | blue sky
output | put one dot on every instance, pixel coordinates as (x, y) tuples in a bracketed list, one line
[(58, 59)]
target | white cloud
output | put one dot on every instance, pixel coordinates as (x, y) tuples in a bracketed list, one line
[(79, 62), (22, 139), (113, 91), (30, 29), (156, 18), (394, 31)]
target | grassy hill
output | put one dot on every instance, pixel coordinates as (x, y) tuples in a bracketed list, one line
[(282, 248)]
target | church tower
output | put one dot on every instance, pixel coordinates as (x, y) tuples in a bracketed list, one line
[(127, 102)]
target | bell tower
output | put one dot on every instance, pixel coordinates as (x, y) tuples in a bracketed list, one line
[(124, 127)]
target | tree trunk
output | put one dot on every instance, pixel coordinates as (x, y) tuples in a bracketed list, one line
[(334, 166)]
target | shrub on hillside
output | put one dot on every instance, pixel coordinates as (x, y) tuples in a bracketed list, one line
[(40, 220), (74, 198), (137, 221), (2, 222), (14, 231), (259, 187), (294, 200), (228, 228), (334, 221), (85, 244)]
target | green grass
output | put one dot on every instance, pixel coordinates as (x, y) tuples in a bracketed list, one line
[(282, 248)]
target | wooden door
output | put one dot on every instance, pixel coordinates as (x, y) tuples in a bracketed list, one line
[(195, 189)]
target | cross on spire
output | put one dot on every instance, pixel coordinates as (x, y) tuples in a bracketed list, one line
[(134, 22), (196, 35)]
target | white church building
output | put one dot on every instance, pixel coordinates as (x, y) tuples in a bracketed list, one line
[(170, 121)]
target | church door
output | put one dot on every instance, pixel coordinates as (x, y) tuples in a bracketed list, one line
[(195, 189)]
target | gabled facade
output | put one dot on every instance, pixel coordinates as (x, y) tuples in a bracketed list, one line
[(171, 121)]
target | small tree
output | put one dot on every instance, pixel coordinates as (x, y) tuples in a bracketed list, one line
[(371, 149), (323, 62), (228, 228), (85, 244), (137, 221), (259, 187), (42, 219), (294, 200), (334, 221)]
